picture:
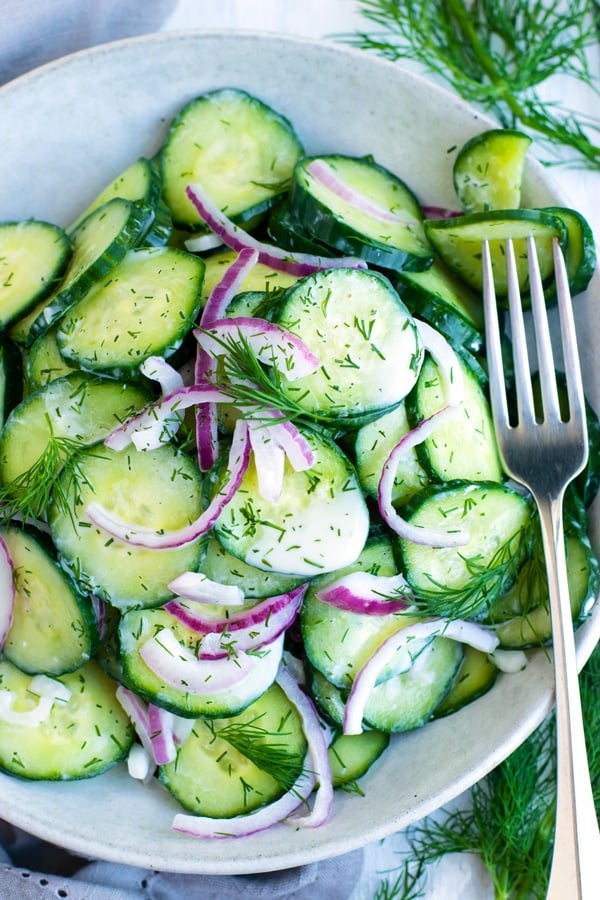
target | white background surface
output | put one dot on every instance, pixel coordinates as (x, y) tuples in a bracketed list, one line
[(455, 877)]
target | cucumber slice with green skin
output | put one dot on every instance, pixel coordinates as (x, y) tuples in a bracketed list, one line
[(474, 678), (352, 755), (330, 699), (99, 243), (257, 584), (338, 642), (465, 447), (521, 618), (437, 296), (33, 256), (43, 362), (409, 700), (366, 341), (373, 444), (81, 737), (320, 522), (80, 407), (144, 307), (580, 253), (232, 766), (455, 580), (160, 488), (458, 243), (240, 150), (11, 378), (141, 183), (139, 627), (54, 629), (338, 223), (287, 231), (488, 171)]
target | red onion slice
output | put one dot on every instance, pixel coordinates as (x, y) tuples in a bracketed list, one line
[(318, 753), (158, 369), (49, 691), (143, 536), (7, 591), (198, 587), (203, 242), (153, 422), (287, 435), (244, 630), (446, 360), (236, 238), (363, 592), (162, 738), (272, 345), (322, 172), (416, 533), (140, 764), (180, 668), (269, 460), (463, 631), (207, 440)]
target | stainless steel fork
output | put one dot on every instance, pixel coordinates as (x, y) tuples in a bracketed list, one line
[(545, 452)]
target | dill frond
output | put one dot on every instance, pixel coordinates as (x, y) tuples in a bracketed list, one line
[(268, 750), (497, 54)]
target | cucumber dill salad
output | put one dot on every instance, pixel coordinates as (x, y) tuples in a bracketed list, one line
[(255, 524)]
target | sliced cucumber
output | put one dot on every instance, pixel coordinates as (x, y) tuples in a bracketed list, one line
[(367, 342), (522, 617), (141, 183), (580, 254), (240, 150), (464, 447), (394, 242), (337, 642), (495, 519), (143, 308), (222, 567), (158, 488), (488, 171), (11, 378), (99, 243), (79, 738), (352, 755), (441, 299), (54, 628), (320, 522), (474, 678), (229, 767), (33, 256), (79, 407), (260, 278), (44, 362), (458, 242), (137, 628), (372, 446)]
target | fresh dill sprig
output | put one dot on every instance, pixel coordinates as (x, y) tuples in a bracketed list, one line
[(497, 54), (488, 581), (509, 822), (268, 750), (243, 378), (407, 885), (29, 494)]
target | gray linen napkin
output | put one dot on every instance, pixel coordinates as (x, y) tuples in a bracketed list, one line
[(35, 32)]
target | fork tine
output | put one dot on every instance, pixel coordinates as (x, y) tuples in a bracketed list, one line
[(547, 370), (493, 341), (525, 406), (569, 341)]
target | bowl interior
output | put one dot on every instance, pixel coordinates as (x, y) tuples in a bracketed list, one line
[(70, 127)]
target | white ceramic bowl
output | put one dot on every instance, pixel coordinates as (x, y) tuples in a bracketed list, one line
[(66, 130)]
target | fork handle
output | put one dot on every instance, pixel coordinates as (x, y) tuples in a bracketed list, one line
[(575, 872)]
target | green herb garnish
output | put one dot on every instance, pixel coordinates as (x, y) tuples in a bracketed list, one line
[(268, 750), (497, 53)]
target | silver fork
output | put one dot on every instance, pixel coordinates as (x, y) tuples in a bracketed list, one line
[(545, 453)]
